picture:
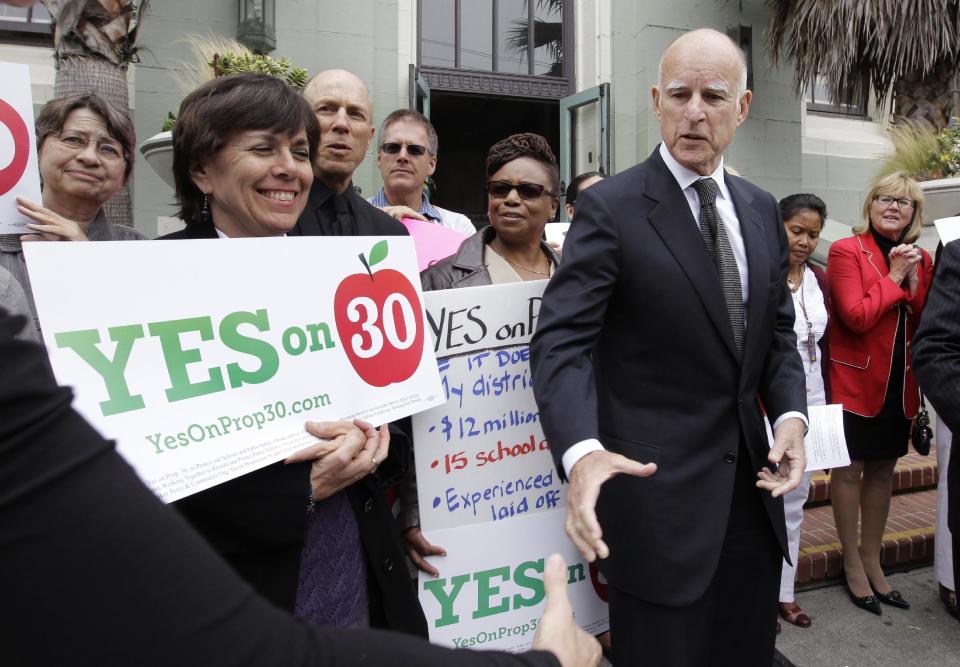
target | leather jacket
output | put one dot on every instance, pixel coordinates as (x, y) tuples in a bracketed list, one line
[(465, 268)]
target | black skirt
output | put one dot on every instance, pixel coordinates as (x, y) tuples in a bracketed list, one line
[(884, 436)]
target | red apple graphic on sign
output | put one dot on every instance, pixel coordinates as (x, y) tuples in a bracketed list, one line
[(380, 322), (599, 582)]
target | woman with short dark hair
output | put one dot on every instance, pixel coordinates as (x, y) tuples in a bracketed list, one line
[(243, 150), (523, 193), (523, 184), (241, 157), (85, 153)]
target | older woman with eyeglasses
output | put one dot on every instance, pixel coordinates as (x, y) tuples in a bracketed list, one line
[(878, 286), (85, 148)]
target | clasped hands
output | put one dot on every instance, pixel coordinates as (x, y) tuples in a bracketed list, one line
[(591, 471), (904, 259), (347, 452)]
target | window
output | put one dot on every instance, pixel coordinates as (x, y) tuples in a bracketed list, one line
[(818, 98), (33, 21), (518, 37)]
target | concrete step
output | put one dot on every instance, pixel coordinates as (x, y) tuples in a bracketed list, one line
[(907, 543), (913, 473)]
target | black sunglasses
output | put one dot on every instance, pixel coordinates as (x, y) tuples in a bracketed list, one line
[(416, 150), (500, 189)]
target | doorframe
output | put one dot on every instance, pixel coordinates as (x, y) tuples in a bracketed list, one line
[(596, 95)]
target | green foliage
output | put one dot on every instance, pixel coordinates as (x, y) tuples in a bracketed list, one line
[(169, 122), (221, 57), (923, 154), (231, 63)]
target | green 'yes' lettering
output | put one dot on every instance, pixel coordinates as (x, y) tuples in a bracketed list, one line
[(85, 344), (262, 350), (178, 358), (436, 587)]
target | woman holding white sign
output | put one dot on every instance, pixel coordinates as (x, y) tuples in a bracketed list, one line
[(85, 150), (804, 216), (523, 185), (311, 534)]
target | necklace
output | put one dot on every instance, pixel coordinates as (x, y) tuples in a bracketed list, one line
[(794, 286), (503, 256), (517, 266), (811, 342)]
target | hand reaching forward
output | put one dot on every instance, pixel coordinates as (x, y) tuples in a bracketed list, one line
[(557, 631), (348, 452), (586, 478), (789, 455), (47, 225)]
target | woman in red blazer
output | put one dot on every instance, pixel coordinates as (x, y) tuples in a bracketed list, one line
[(878, 285)]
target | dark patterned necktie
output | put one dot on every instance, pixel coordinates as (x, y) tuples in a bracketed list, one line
[(718, 245)]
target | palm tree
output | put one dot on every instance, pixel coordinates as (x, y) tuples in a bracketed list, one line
[(94, 42), (907, 48), (548, 34)]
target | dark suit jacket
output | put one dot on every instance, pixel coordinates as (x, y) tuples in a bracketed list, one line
[(936, 361), (634, 347), (88, 547), (370, 220), (258, 522)]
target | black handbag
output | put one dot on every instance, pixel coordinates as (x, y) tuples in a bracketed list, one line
[(920, 432)]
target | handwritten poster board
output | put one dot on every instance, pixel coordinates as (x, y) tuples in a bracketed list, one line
[(19, 174), (488, 490), (207, 358)]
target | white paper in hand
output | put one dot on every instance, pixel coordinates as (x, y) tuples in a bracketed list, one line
[(825, 444)]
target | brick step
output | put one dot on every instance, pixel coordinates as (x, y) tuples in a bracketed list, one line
[(913, 473), (907, 543)]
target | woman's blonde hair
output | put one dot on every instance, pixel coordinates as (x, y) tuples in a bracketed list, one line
[(896, 184)]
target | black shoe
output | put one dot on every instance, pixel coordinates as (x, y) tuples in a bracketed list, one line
[(893, 598), (868, 602)]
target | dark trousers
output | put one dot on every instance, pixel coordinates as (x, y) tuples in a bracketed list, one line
[(734, 622), (956, 562)]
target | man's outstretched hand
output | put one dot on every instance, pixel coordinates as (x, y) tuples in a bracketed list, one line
[(586, 478)]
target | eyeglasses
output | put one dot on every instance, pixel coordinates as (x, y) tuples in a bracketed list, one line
[(108, 150), (886, 200), (529, 191), (416, 150)]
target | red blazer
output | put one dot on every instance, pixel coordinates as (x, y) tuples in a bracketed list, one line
[(863, 325)]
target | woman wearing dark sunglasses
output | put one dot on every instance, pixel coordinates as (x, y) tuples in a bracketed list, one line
[(523, 185), (522, 197)]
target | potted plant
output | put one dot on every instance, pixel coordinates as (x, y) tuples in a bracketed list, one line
[(213, 57), (933, 159)]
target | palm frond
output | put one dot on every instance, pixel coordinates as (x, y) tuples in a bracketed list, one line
[(853, 43)]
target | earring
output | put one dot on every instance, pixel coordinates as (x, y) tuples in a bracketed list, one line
[(205, 210)]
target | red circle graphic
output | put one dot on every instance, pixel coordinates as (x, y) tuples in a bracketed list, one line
[(10, 175)]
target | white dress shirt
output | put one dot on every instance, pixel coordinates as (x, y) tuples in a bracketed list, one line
[(685, 179)]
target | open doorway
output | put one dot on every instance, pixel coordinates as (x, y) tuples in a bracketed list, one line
[(467, 126)]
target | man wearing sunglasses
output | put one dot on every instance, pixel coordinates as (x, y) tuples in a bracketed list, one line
[(664, 329), (407, 156)]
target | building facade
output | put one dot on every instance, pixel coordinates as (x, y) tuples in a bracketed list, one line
[(578, 72)]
